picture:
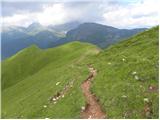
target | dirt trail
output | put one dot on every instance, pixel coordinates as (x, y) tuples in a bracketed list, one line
[(92, 109)]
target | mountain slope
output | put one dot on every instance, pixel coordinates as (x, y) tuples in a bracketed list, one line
[(63, 28), (33, 82), (126, 83), (17, 38), (127, 79), (100, 35)]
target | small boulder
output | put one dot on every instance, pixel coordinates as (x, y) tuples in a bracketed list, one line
[(146, 100)]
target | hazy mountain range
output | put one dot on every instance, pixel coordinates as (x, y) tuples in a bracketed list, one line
[(15, 38)]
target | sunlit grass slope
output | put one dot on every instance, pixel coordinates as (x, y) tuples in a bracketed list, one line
[(29, 80), (126, 73)]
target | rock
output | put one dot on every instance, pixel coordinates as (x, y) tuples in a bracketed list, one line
[(90, 117), (54, 99), (146, 100), (55, 102), (82, 108), (124, 96), (62, 96), (150, 87)]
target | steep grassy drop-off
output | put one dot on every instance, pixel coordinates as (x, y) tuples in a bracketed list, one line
[(26, 92), (127, 78)]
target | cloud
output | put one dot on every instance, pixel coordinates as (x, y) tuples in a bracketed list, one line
[(126, 14), (141, 14)]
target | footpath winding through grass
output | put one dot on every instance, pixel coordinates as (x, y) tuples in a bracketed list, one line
[(92, 108), (27, 91)]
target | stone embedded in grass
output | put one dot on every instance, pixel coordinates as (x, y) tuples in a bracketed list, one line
[(146, 100), (46, 118), (57, 98), (55, 102), (62, 96), (54, 99), (82, 108), (124, 96), (57, 83), (90, 117)]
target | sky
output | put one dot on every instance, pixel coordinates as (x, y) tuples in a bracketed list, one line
[(116, 13)]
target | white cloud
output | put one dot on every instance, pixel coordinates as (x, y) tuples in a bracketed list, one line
[(141, 14), (129, 15), (52, 14)]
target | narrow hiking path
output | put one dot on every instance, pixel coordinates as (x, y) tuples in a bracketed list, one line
[(92, 109)]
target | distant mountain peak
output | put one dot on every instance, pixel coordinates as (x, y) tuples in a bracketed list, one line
[(34, 25)]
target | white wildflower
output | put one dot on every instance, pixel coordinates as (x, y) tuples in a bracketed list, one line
[(57, 83), (133, 73), (62, 96), (124, 96), (44, 106), (140, 86), (136, 77), (123, 59), (109, 63), (46, 118), (55, 102)]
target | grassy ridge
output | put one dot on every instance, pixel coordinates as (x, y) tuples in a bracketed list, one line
[(125, 72), (26, 92)]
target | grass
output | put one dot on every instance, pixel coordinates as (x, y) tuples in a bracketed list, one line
[(29, 79), (33, 82), (115, 78)]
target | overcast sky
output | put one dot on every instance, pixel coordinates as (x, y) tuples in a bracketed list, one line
[(116, 13)]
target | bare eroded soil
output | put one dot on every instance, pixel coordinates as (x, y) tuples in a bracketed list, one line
[(92, 109)]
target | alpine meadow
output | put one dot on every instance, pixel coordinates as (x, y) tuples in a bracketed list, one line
[(87, 67)]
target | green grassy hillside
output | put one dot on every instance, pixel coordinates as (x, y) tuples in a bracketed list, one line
[(127, 72), (29, 80)]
